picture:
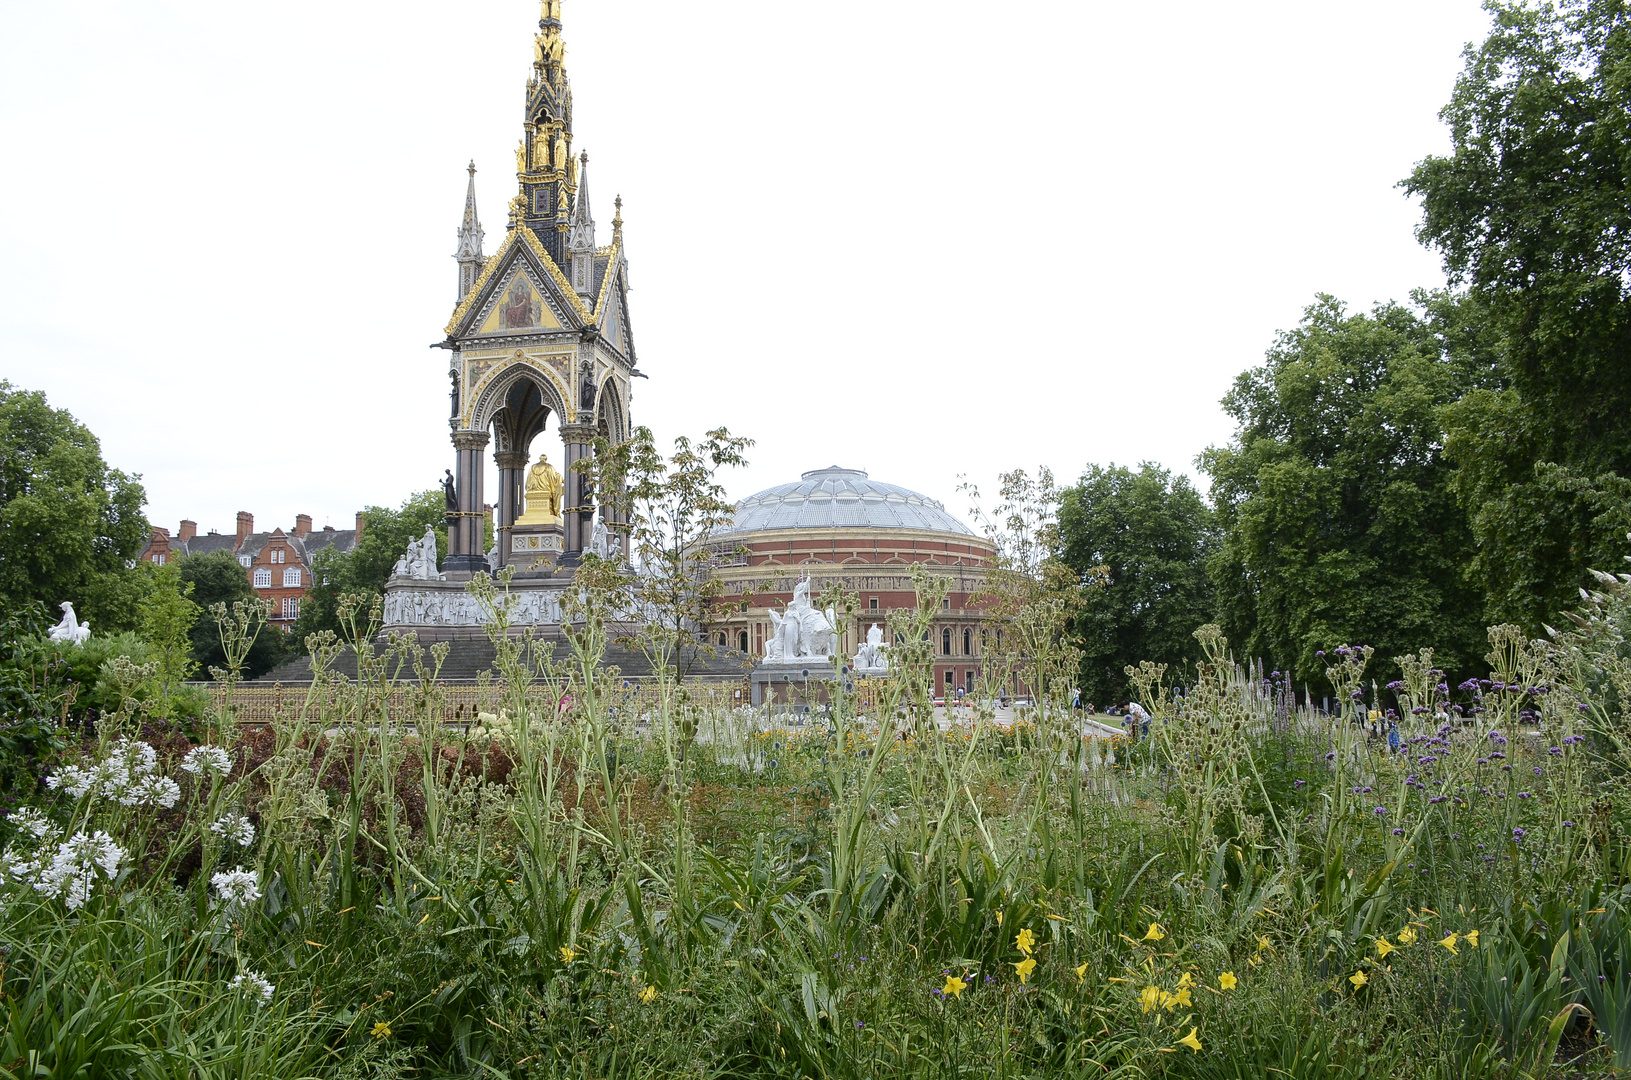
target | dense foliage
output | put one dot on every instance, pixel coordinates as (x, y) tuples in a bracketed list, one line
[(1144, 538), (1338, 514), (70, 527), (1532, 212), (364, 570), (217, 578)]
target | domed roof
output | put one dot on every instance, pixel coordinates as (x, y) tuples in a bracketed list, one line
[(835, 498)]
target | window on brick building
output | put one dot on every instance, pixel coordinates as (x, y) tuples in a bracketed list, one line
[(277, 555), (294, 607), (872, 603), (742, 641), (291, 578), (945, 641), (949, 681), (263, 578), (945, 603), (158, 560), (244, 561), (968, 641)]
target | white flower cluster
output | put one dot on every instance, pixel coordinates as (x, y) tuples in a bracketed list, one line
[(237, 887), (494, 727), (252, 984), (31, 821), (128, 775), (71, 871), (234, 827), (210, 759)]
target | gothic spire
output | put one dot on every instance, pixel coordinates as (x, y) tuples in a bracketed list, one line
[(468, 255), (581, 237), (548, 176)]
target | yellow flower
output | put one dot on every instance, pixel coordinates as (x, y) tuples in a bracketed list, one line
[(1449, 943), (1025, 942), (1472, 938), (1182, 998), (1227, 980), (1191, 1041), (1081, 973), (568, 954), (955, 987), (1154, 933), (1149, 999), (382, 1030), (999, 918), (1263, 944), (1358, 979), (1407, 936), (1383, 947), (1167, 1001), (1186, 979), (1025, 967), (648, 995)]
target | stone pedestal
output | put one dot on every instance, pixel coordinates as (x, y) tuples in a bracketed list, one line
[(445, 609), (793, 677), (535, 549)]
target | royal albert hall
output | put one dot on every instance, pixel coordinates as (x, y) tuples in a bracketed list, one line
[(840, 525)]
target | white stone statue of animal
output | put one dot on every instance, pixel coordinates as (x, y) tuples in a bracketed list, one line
[(70, 630)]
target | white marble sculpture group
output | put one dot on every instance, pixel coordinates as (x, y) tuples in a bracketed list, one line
[(873, 656), (409, 606), (804, 632), (70, 630), (419, 561)]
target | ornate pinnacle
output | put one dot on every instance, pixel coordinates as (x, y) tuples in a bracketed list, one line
[(617, 219)]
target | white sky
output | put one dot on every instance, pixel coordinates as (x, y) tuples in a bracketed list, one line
[(920, 238)]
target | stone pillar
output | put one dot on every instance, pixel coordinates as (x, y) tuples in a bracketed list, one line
[(512, 467), (464, 539), (578, 514)]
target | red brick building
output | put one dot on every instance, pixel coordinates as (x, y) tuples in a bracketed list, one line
[(278, 563), (838, 525)]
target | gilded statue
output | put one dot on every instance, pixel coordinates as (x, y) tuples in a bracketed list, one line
[(521, 157), (540, 151), (544, 490), (560, 151)]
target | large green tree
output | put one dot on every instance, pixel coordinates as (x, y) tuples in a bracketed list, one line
[(70, 527), (1145, 539), (217, 578), (1531, 210), (1335, 500), (364, 570)]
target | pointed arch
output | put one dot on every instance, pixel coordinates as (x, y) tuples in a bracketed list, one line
[(494, 392)]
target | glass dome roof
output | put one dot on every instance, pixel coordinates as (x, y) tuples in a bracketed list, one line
[(835, 498)]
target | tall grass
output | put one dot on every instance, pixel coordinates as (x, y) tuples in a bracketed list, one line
[(581, 889)]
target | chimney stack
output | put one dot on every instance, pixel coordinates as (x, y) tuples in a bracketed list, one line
[(302, 525), (188, 530), (246, 525), (359, 526)]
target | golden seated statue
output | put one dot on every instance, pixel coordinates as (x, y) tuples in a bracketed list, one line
[(543, 494)]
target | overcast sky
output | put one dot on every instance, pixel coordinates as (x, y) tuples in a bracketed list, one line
[(925, 239)]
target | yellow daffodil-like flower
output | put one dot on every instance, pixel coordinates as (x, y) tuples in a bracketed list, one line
[(1191, 1041), (999, 918), (1407, 936), (1154, 933), (1081, 973), (954, 987), (1182, 998), (1025, 942), (1358, 979), (382, 1030), (1449, 943), (1186, 979), (1471, 937), (1025, 967), (1168, 1001), (1263, 944), (1227, 980), (1149, 999), (568, 954), (1383, 947), (648, 995)]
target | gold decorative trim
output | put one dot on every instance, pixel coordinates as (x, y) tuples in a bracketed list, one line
[(563, 287), (613, 257)]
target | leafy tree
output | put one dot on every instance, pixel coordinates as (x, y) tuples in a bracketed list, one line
[(217, 578), (168, 617), (70, 527), (672, 505), (1339, 521), (1532, 211), (1147, 536), (366, 568)]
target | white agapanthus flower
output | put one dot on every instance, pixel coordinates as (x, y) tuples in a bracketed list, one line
[(202, 759), (238, 886), (73, 779), (252, 984), (125, 767), (156, 791), (235, 827), (73, 869), (31, 821)]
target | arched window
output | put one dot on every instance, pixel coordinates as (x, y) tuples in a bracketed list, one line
[(945, 640), (721, 640), (742, 640), (968, 641)]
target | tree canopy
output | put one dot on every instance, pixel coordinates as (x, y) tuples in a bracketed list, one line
[(70, 527), (1531, 211), (1335, 500), (217, 578), (1145, 537), (364, 570)]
